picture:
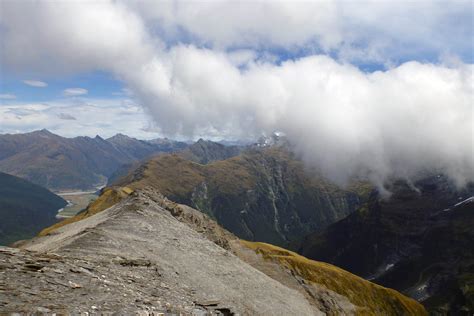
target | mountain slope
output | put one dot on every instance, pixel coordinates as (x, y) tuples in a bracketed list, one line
[(202, 152), (263, 194), (419, 242), (61, 163), (367, 298), (147, 253), (25, 208)]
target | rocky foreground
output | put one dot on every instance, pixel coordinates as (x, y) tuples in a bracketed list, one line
[(147, 254)]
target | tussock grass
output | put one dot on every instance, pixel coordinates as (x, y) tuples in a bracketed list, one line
[(370, 298)]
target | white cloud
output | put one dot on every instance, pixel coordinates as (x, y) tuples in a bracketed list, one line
[(354, 30), (72, 92), (7, 96), (230, 23), (347, 122), (369, 31), (58, 38), (35, 83), (412, 117)]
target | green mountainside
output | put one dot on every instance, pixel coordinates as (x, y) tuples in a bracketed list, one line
[(25, 208), (202, 152), (420, 242), (264, 194)]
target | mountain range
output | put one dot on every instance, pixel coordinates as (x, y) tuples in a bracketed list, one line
[(80, 163)]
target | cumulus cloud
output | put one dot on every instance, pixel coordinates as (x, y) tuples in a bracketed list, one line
[(72, 92), (381, 31), (246, 23), (414, 116), (35, 83), (349, 123)]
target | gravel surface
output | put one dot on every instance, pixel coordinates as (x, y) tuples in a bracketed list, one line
[(144, 255)]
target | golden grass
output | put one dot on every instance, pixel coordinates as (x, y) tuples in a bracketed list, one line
[(172, 175), (370, 298), (108, 198), (231, 175), (177, 178)]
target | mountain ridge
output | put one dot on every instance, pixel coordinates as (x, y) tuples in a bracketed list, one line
[(80, 163), (170, 258)]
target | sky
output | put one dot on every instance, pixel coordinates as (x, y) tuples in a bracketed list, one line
[(379, 88)]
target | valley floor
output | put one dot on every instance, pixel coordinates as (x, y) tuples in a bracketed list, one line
[(77, 201)]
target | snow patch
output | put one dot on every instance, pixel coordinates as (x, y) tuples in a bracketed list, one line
[(389, 266), (466, 201)]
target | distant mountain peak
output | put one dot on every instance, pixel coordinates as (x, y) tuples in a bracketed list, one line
[(207, 143), (44, 133), (201, 142), (121, 137)]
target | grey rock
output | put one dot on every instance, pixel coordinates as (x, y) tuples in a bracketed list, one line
[(140, 232)]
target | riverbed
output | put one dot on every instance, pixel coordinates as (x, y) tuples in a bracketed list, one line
[(77, 201)]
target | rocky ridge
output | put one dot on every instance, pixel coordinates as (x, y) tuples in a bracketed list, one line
[(148, 254)]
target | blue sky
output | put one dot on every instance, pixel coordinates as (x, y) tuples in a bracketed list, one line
[(98, 85)]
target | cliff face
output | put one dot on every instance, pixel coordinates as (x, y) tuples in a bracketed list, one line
[(265, 194), (149, 254), (420, 242)]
